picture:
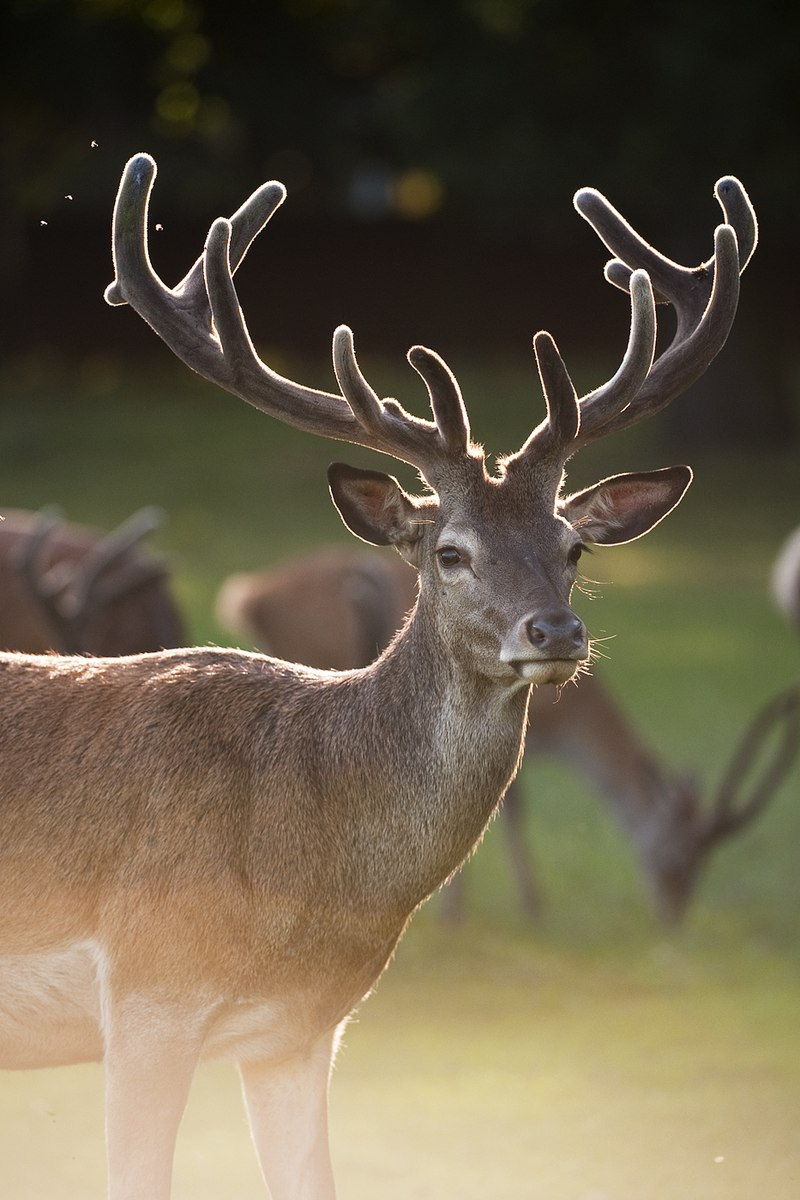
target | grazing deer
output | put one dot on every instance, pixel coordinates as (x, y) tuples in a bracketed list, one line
[(335, 608), (332, 608), (210, 852), (69, 588)]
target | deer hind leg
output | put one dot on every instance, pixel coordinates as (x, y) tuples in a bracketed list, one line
[(152, 1048), (287, 1107), (512, 815)]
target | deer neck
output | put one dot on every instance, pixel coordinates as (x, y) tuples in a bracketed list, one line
[(442, 743)]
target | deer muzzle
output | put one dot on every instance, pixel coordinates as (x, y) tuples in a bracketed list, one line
[(546, 646)]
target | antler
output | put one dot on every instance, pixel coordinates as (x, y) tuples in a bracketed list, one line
[(705, 299), (203, 324), (729, 813), (70, 593), (561, 432)]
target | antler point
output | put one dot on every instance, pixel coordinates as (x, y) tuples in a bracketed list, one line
[(727, 183), (114, 295), (219, 234), (416, 354), (585, 196), (142, 168)]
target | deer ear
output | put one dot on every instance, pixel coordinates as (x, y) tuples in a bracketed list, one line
[(624, 507), (373, 505)]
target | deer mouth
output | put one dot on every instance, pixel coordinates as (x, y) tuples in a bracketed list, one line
[(539, 671)]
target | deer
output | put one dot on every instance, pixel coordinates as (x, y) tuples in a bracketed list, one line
[(786, 578), (331, 607), (212, 853), (336, 608), (71, 589)]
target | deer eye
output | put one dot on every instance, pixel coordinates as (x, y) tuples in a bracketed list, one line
[(448, 556), (575, 552)]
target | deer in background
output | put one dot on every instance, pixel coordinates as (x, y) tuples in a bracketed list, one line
[(335, 608), (214, 853), (72, 589), (786, 579)]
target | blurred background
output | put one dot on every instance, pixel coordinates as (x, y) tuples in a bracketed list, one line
[(431, 152)]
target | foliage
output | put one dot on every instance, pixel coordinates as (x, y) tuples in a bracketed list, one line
[(507, 104)]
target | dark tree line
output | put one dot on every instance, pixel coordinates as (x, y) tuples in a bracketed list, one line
[(468, 122)]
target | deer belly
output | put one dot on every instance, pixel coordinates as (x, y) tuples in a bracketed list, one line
[(256, 1030), (50, 1008)]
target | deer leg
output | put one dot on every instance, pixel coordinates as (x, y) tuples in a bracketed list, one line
[(512, 815), (151, 1053), (287, 1107), (452, 901)]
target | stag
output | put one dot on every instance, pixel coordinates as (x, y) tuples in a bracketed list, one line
[(336, 609), (71, 589), (213, 852)]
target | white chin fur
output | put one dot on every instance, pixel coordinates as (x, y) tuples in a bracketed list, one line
[(551, 671)]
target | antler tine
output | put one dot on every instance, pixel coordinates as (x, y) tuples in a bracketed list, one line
[(563, 415), (424, 444), (630, 248), (613, 399), (86, 595), (704, 297), (447, 404), (725, 817), (739, 214), (43, 589), (203, 324), (71, 591), (136, 282), (241, 371), (670, 279), (560, 425), (570, 422), (48, 588), (689, 356)]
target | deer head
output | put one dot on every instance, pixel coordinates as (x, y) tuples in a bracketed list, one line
[(497, 552), (684, 832)]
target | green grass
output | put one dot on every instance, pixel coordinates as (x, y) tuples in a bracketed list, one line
[(595, 1057)]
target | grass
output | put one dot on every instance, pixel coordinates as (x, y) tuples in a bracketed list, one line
[(594, 1057)]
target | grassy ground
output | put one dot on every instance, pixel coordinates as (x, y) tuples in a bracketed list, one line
[(595, 1057)]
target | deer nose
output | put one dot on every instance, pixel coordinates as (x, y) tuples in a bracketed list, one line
[(558, 635)]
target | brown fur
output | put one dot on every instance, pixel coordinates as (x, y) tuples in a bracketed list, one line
[(133, 620), (222, 849), (310, 609)]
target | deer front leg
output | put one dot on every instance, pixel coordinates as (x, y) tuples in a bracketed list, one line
[(152, 1049), (287, 1107)]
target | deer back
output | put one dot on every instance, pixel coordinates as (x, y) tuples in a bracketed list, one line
[(330, 608)]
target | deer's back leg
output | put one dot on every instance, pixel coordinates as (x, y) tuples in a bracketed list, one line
[(512, 815)]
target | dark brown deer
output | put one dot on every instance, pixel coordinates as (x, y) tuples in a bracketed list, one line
[(74, 590), (335, 608), (209, 852)]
